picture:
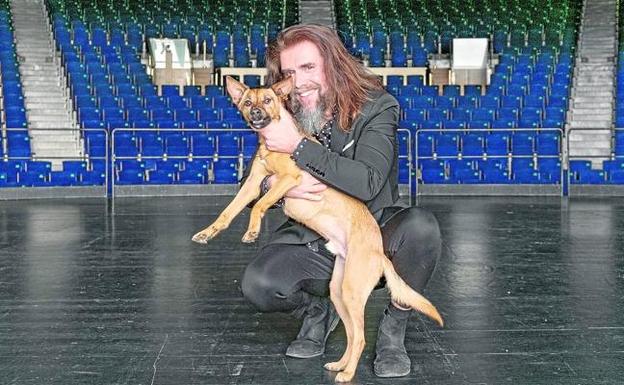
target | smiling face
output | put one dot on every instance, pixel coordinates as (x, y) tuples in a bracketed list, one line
[(304, 63), (259, 106)]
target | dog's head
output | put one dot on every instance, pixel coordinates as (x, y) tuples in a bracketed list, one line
[(259, 106)]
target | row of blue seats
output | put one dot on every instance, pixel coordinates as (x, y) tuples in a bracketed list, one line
[(495, 125), (486, 101), (489, 114), (492, 170), (158, 111), (494, 143), (151, 99), (150, 144), (218, 45)]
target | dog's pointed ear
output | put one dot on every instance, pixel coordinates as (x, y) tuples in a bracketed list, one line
[(235, 89), (283, 87)]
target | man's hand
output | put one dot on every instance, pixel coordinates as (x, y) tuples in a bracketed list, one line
[(309, 188), (282, 136)]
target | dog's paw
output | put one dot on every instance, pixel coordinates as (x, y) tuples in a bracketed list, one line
[(205, 235), (344, 377), (250, 236), (334, 366)]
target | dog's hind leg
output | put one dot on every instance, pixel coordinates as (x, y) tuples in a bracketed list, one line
[(277, 191), (248, 192), (335, 288), (360, 279)]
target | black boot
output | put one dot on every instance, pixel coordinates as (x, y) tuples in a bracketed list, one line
[(320, 318), (391, 358)]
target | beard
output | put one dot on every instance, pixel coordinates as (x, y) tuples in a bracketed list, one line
[(310, 121)]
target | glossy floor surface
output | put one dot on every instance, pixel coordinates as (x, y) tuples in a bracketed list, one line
[(93, 292)]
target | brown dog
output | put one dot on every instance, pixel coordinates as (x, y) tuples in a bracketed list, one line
[(350, 229)]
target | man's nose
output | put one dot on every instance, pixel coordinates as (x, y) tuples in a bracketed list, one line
[(299, 81)]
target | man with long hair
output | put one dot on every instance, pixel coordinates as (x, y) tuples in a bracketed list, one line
[(345, 107)]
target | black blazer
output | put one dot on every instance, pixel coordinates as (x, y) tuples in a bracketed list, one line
[(361, 163)]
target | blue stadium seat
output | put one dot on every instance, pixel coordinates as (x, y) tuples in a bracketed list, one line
[(522, 143), (549, 169), (472, 144), (160, 177), (425, 144), (547, 143), (526, 176), (63, 178), (497, 144), (203, 145), (466, 176), (32, 179), (433, 171), (446, 144), (227, 144), (191, 176), (225, 172), (151, 144), (177, 145), (130, 176)]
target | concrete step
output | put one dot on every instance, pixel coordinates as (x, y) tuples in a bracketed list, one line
[(590, 99), (598, 69), (54, 148), (51, 125), (593, 91), (590, 152), (580, 117), (62, 115), (51, 94), (38, 69), (45, 137), (590, 135), (590, 111), (49, 118), (598, 124), (597, 60), (50, 108), (37, 100), (586, 66), (592, 104), (604, 94), (595, 83), (42, 84), (38, 51)]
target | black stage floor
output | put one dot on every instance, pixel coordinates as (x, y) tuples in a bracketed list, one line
[(98, 293)]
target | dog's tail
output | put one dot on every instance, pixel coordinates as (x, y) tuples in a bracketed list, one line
[(405, 295)]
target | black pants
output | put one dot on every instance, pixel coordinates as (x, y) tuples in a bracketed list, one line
[(282, 276)]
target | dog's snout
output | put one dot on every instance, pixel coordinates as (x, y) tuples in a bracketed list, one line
[(255, 113)]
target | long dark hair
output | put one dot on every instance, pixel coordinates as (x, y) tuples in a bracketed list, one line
[(348, 81)]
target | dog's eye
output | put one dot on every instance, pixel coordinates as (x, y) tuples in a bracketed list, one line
[(267, 100), (248, 103)]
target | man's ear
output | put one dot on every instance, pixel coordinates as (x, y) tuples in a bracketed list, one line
[(235, 89), (283, 87)]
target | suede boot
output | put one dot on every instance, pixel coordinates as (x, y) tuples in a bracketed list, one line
[(320, 318), (391, 357)]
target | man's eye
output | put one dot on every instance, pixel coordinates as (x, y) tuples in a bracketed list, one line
[(247, 103)]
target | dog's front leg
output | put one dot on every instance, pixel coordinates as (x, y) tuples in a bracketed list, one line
[(248, 192), (278, 190)]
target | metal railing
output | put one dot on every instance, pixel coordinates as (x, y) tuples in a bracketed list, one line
[(508, 157), (612, 155), (85, 157), (240, 158)]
